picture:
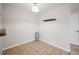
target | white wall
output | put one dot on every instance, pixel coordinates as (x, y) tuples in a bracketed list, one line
[(20, 25), (56, 32), (74, 8), (0, 28)]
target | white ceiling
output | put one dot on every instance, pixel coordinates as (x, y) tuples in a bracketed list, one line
[(43, 6)]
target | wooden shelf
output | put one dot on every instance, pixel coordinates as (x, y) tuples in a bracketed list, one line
[(2, 32)]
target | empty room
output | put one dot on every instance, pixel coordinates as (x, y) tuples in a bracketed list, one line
[(39, 28)]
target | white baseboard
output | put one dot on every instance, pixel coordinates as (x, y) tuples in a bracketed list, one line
[(16, 45), (56, 46)]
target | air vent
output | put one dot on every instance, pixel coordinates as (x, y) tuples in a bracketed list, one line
[(49, 20)]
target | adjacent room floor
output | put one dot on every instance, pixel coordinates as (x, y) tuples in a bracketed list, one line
[(74, 49), (35, 48)]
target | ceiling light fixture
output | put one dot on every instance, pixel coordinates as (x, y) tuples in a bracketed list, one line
[(35, 8)]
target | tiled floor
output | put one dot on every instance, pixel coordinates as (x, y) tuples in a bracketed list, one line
[(35, 48), (74, 49)]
